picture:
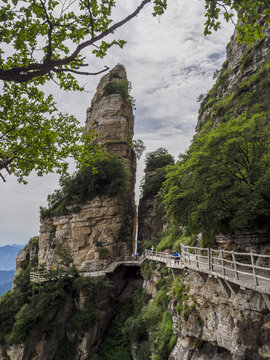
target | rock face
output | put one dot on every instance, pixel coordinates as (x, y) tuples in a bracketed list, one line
[(103, 228), (222, 325), (27, 255), (147, 228), (241, 63)]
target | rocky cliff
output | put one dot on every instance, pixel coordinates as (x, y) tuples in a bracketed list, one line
[(101, 228), (221, 324), (147, 228), (210, 320)]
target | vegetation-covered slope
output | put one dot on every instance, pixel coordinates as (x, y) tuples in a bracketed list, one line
[(221, 184)]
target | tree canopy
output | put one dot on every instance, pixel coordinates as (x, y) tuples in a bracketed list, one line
[(222, 183), (44, 40), (250, 15)]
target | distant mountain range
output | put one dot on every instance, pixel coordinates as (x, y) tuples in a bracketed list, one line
[(6, 278), (8, 255)]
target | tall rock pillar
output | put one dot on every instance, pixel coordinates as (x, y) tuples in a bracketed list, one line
[(103, 227)]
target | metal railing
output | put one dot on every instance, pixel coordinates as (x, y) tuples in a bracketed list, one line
[(38, 276), (238, 265), (250, 269)]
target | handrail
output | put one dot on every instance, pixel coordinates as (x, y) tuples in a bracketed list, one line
[(241, 268), (239, 263)]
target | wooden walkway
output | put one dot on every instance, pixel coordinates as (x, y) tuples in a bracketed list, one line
[(246, 270)]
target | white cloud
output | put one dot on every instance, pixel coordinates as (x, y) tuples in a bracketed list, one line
[(169, 62)]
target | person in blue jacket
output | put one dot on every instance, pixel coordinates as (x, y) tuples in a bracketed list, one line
[(176, 256)]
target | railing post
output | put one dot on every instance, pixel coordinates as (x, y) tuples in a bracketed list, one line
[(222, 262), (253, 269), (209, 254), (235, 266), (196, 257)]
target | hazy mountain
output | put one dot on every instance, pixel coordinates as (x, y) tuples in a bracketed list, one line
[(8, 255), (6, 278)]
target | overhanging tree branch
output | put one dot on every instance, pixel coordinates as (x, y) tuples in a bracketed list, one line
[(21, 74)]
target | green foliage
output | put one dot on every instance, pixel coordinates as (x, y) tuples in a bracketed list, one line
[(35, 136), (64, 253), (10, 304), (170, 236), (145, 269), (138, 147), (152, 327), (28, 304), (116, 345), (33, 242), (140, 299), (247, 59), (23, 25), (158, 159), (65, 350), (152, 184), (122, 87), (249, 15), (103, 253), (81, 320), (107, 177), (180, 294), (221, 183)]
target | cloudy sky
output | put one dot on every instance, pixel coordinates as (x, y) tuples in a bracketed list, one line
[(169, 62)]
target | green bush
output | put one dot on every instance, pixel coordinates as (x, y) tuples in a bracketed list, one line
[(109, 176), (28, 304), (158, 159), (65, 350), (152, 185), (152, 327), (122, 87), (143, 351), (81, 320), (103, 253), (146, 270), (136, 329), (222, 183), (116, 345), (170, 237)]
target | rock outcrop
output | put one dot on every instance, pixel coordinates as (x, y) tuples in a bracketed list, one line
[(103, 227), (147, 227), (241, 63), (221, 325)]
